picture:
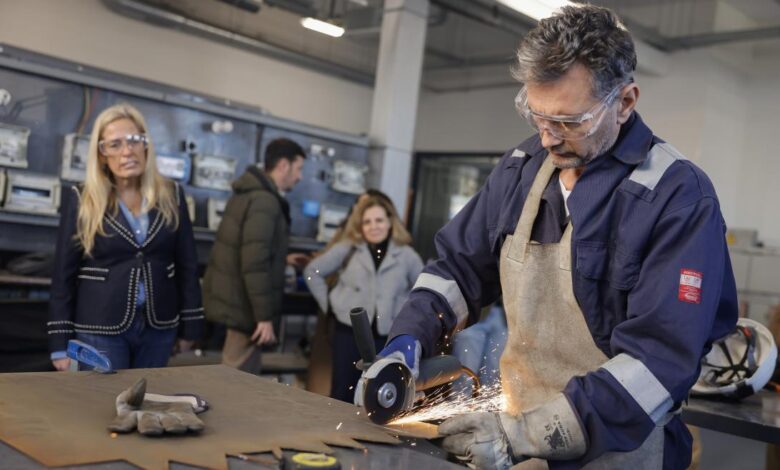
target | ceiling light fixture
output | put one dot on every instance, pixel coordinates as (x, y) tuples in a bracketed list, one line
[(536, 9), (322, 27)]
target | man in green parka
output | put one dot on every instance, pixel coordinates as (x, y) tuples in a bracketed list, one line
[(244, 281)]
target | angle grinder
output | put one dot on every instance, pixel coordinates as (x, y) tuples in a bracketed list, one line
[(389, 393)]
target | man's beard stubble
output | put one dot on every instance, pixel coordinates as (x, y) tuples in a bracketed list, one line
[(604, 141)]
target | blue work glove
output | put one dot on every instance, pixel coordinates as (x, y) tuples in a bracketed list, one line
[(405, 350)]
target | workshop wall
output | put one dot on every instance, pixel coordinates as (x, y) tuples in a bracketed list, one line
[(86, 31), (717, 106), (700, 104), (476, 121), (759, 163)]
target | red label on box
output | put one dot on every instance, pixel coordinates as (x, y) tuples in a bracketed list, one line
[(690, 286)]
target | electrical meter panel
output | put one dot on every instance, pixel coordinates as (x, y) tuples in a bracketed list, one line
[(32, 193), (13, 145), (213, 172), (75, 149), (349, 177), (175, 167), (202, 142), (330, 220)]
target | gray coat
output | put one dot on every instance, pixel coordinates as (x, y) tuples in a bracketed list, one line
[(381, 292)]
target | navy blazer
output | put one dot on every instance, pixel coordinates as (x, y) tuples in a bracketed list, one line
[(97, 294)]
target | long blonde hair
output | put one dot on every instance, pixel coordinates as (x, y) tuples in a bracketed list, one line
[(353, 231), (98, 195)]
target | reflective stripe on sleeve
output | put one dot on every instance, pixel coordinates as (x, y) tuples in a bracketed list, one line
[(447, 289), (641, 384), (658, 160)]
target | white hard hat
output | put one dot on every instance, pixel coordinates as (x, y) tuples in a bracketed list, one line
[(740, 363)]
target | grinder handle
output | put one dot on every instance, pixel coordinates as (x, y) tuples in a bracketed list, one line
[(438, 370), (364, 338)]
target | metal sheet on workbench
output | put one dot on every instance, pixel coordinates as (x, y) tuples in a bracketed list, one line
[(60, 418)]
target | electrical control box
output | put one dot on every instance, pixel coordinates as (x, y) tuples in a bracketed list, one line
[(75, 150), (349, 177), (13, 145), (216, 207), (175, 167), (32, 193), (213, 172), (330, 220)]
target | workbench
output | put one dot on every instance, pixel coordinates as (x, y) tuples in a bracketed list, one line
[(411, 454), (755, 417), (60, 419)]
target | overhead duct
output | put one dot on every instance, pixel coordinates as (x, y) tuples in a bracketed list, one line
[(157, 16), (724, 37), (488, 15), (491, 13), (299, 7), (251, 6)]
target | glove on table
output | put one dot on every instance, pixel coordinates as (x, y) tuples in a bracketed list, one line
[(154, 414)]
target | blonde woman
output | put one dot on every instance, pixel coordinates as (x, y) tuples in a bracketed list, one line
[(377, 269), (125, 277)]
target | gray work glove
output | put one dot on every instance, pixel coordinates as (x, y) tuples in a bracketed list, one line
[(153, 414), (478, 438), (496, 441)]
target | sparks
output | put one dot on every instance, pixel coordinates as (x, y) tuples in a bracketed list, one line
[(439, 408)]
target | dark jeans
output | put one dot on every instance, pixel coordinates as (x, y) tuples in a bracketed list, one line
[(141, 346), (345, 355)]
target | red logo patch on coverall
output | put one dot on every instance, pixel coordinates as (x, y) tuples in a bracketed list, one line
[(690, 286)]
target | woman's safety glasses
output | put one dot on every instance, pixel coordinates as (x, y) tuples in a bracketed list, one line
[(114, 146), (566, 127)]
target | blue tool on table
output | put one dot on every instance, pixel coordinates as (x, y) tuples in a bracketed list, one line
[(86, 354)]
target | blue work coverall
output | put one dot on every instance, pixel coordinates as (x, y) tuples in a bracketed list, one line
[(639, 224)]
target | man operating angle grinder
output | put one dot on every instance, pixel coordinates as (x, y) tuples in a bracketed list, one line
[(609, 250), (389, 389)]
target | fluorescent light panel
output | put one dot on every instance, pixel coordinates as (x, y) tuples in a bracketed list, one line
[(536, 9), (322, 27)]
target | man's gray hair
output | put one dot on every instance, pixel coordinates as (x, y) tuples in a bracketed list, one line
[(586, 34)]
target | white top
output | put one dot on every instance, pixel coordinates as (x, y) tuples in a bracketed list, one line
[(566, 194)]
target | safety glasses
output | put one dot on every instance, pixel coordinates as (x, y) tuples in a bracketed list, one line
[(566, 127), (114, 146)]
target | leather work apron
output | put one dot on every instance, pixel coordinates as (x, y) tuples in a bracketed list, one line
[(548, 340)]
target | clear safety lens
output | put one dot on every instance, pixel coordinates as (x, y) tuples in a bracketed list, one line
[(115, 146), (566, 127)]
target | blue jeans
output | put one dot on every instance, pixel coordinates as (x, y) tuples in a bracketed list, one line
[(141, 346), (345, 375)]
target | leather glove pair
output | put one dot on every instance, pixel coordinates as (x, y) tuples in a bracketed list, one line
[(154, 414), (497, 440), (404, 350)]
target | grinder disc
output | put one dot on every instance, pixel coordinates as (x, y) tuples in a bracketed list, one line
[(384, 395)]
